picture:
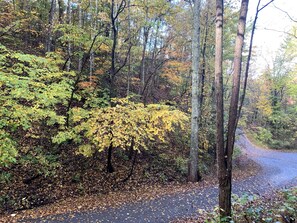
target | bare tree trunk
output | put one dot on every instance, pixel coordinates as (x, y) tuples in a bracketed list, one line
[(61, 10), (246, 74), (147, 88), (193, 174), (114, 45), (69, 18), (129, 55), (80, 26), (203, 68), (142, 68), (49, 39), (115, 11), (221, 172), (93, 27), (226, 184)]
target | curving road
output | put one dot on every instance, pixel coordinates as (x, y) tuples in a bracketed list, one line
[(279, 170)]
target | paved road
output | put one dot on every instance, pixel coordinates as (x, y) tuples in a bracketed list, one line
[(279, 169)]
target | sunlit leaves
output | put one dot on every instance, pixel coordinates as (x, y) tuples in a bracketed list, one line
[(122, 125), (31, 90)]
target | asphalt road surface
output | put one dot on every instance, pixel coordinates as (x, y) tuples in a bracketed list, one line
[(279, 170)]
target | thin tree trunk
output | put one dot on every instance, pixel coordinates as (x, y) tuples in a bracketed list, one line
[(80, 26), (69, 18), (93, 27), (114, 14), (226, 185), (114, 36), (203, 70), (250, 55), (49, 39), (147, 89), (61, 10), (221, 172), (142, 68), (129, 55), (113, 50), (193, 174)]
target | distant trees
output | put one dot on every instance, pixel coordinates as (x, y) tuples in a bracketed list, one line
[(271, 112)]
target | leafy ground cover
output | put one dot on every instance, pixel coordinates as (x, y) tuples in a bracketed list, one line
[(280, 207), (100, 192)]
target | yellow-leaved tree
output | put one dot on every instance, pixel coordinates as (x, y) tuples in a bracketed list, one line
[(124, 125)]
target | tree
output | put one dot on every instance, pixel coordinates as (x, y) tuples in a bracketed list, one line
[(225, 152), (122, 126), (220, 102), (271, 112), (193, 174), (51, 18)]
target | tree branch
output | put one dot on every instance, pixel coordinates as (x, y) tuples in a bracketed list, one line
[(279, 31), (290, 17), (264, 6)]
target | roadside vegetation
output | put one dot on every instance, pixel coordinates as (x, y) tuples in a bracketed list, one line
[(280, 207)]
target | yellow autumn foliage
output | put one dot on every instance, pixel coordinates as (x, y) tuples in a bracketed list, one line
[(126, 123)]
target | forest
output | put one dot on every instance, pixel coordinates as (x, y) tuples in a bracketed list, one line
[(105, 102)]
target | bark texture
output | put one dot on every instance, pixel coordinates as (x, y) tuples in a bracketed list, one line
[(225, 184), (51, 17), (193, 174), (220, 103)]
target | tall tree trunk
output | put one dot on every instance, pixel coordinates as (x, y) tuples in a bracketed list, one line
[(246, 74), (226, 184), (93, 27), (129, 55), (147, 88), (220, 106), (193, 174), (61, 10), (113, 50), (203, 68), (49, 39), (80, 26), (69, 18), (142, 67)]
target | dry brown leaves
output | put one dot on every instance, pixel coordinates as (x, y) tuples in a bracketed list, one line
[(243, 168)]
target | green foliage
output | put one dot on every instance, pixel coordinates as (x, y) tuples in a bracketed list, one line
[(95, 98), (44, 163), (5, 178), (272, 100), (264, 135), (8, 149), (251, 208), (32, 90), (181, 164), (237, 152)]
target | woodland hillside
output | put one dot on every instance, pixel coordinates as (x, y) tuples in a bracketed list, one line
[(97, 96)]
